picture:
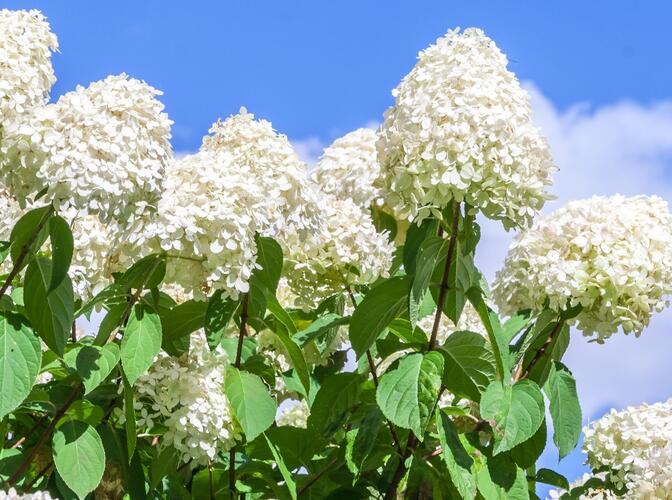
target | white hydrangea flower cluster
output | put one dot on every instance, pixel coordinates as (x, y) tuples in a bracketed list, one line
[(26, 45), (290, 203), (612, 255), (12, 494), (349, 168), (636, 446), (11, 213), (103, 149), (469, 321), (295, 414), (461, 129), (187, 396), (206, 222), (346, 251)]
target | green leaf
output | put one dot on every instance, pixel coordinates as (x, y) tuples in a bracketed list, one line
[(319, 327), (269, 257), (469, 364), (514, 325), (500, 347), (148, 272), (218, 314), (4, 250), (164, 462), (109, 323), (79, 456), (362, 440), (251, 402), (560, 388), (527, 453), (432, 251), (230, 346), (129, 413), (408, 391), (379, 307), (141, 342), (92, 363), (548, 476), (280, 314), (414, 237), (550, 350), (296, 358), (62, 246), (286, 474), (25, 228), (178, 323), (84, 410), (500, 481), (460, 465), (333, 402), (517, 411), (20, 361), (52, 313)]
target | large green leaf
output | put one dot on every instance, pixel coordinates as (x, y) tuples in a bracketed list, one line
[(52, 313), (79, 456), (408, 391), (284, 471), (141, 342), (527, 453), (379, 307), (62, 245), (362, 440), (148, 272), (92, 363), (469, 364), (334, 402), (269, 257), (517, 412), (502, 480), (20, 359), (560, 387), (296, 358), (431, 251), (458, 462), (498, 342), (415, 235), (251, 402), (25, 228), (217, 317)]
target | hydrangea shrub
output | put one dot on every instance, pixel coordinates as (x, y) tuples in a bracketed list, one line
[(256, 330)]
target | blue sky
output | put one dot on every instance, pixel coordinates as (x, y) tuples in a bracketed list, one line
[(324, 68), (598, 73)]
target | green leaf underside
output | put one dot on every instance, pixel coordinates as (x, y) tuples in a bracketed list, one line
[(20, 359), (79, 456), (141, 342), (251, 402), (408, 391), (517, 411)]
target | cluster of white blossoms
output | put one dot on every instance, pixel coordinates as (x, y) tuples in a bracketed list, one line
[(289, 203), (294, 414), (469, 321), (186, 395), (635, 445), (26, 45), (346, 251), (461, 129), (590, 494), (11, 212), (206, 223), (12, 494), (102, 149), (349, 168), (612, 255)]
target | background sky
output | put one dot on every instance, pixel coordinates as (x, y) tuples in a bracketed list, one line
[(598, 73)]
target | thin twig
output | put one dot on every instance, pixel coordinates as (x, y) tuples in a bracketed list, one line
[(316, 478)]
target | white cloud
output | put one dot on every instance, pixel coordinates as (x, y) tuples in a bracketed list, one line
[(619, 148)]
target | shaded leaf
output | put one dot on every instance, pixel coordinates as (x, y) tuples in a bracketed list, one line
[(92, 363), (251, 402)]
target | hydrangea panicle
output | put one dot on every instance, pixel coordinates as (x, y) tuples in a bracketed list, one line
[(612, 255), (461, 129)]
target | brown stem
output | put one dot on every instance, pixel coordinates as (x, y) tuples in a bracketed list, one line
[(523, 374), (24, 252), (73, 332), (210, 484), (391, 492), (242, 333), (43, 438), (443, 291), (315, 478)]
